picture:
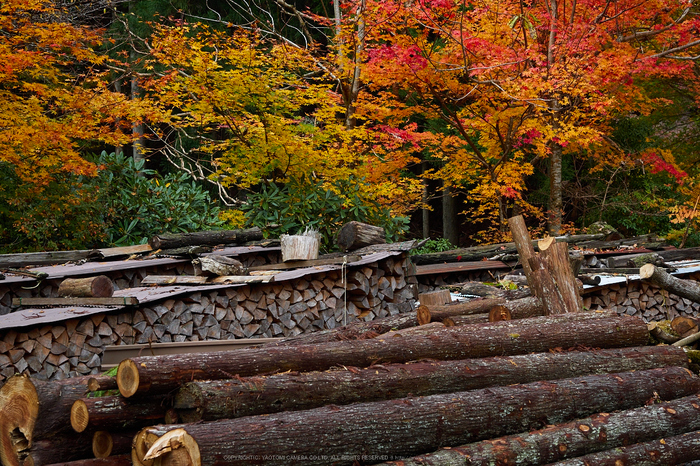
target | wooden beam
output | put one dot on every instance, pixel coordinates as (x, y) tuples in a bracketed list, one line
[(112, 301)]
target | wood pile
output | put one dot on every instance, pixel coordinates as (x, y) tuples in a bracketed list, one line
[(278, 309), (563, 386)]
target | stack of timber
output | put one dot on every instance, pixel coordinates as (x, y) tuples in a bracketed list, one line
[(301, 303), (366, 397)]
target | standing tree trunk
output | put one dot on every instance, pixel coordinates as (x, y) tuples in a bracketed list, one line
[(449, 219), (164, 373), (406, 426)]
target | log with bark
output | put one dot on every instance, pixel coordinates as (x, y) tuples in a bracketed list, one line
[(596, 433), (519, 309), (409, 426), (32, 409), (355, 235), (557, 256), (435, 298), (668, 451), (100, 286), (211, 238), (544, 287), (120, 460), (115, 413), (689, 289), (164, 373), (56, 449), (219, 399), (106, 443), (523, 244)]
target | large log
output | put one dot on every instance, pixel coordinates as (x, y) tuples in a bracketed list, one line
[(164, 373), (544, 287), (596, 433), (120, 460), (56, 449), (523, 244), (668, 451), (518, 308), (689, 289), (116, 413), (198, 238), (355, 235), (32, 409), (219, 399), (100, 286), (407, 426)]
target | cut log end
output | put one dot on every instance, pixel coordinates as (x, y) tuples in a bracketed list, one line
[(499, 313), (95, 287), (143, 441), (19, 408), (435, 298), (79, 416), (176, 447), (423, 315), (646, 271), (127, 378), (102, 444)]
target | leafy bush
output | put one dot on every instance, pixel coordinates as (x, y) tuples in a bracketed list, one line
[(139, 203), (124, 204), (434, 245), (304, 203)]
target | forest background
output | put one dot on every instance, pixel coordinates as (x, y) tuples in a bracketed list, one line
[(120, 119)]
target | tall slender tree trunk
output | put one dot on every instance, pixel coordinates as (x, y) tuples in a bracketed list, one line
[(425, 211), (137, 128), (449, 221), (556, 202)]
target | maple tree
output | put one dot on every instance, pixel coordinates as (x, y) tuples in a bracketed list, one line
[(515, 81)]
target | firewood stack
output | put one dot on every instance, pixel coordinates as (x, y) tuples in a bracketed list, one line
[(537, 389)]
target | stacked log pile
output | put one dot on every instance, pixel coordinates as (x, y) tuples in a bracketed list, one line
[(279, 309), (369, 400)]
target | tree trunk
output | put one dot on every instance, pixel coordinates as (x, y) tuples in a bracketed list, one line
[(523, 243), (555, 206), (211, 238), (356, 235), (669, 451), (408, 426), (557, 257), (425, 211), (115, 412), (449, 219), (91, 287), (545, 288), (581, 437), (689, 289), (105, 444), (219, 399), (164, 373)]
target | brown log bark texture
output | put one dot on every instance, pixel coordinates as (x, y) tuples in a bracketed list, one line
[(120, 460), (409, 426), (669, 451), (557, 257), (211, 400), (210, 238), (355, 235), (461, 308), (165, 373), (689, 289), (603, 431), (523, 244), (545, 288), (100, 286), (115, 413)]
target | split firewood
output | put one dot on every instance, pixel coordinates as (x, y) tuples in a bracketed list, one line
[(164, 373), (209, 400), (115, 412), (596, 433), (689, 289), (407, 426), (100, 286), (670, 451), (355, 235)]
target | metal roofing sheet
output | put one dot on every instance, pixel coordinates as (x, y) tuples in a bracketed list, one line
[(451, 267)]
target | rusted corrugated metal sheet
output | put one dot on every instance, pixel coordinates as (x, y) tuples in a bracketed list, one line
[(451, 267)]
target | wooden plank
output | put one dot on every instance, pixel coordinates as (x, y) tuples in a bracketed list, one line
[(309, 263), (125, 251), (174, 280), (111, 301), (243, 279), (43, 258)]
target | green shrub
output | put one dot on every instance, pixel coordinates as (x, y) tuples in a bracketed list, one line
[(304, 203), (434, 245)]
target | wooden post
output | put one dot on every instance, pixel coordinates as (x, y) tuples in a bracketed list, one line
[(557, 257), (523, 243)]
